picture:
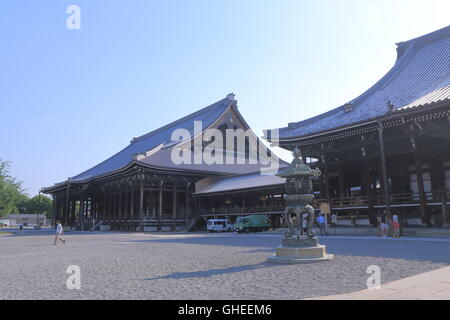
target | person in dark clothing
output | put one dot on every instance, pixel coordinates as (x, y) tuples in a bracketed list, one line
[(384, 227)]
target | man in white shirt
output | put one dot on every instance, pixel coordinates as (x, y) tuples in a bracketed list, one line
[(59, 233)]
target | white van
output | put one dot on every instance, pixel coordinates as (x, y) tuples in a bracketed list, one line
[(219, 225)]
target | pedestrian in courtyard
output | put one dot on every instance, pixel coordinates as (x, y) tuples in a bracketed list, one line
[(396, 226), (334, 221), (384, 227), (322, 224), (305, 222), (21, 227), (59, 233)]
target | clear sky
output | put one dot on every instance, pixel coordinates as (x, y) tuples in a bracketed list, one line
[(71, 98)]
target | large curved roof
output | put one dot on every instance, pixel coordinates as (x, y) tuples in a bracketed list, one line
[(151, 140), (420, 76)]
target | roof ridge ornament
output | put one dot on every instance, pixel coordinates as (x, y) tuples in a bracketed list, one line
[(390, 106), (231, 96), (348, 107)]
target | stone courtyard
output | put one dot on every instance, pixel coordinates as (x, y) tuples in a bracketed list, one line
[(201, 266)]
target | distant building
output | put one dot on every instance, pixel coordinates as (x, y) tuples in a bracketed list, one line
[(13, 220)]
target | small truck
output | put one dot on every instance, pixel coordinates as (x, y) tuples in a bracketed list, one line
[(253, 223)]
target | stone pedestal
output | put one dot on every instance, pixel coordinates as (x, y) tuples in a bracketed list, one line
[(300, 250)]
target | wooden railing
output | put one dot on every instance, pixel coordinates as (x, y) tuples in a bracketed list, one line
[(244, 211), (394, 199), (349, 202)]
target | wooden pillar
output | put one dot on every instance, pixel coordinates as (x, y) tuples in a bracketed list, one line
[(53, 210), (326, 181), (125, 206), (105, 202), (186, 206), (342, 194), (58, 209), (120, 206), (174, 207), (160, 204), (72, 212), (154, 206), (132, 210), (116, 206), (93, 211), (81, 213), (111, 207), (384, 168), (419, 174), (445, 210), (141, 206), (368, 188), (61, 209)]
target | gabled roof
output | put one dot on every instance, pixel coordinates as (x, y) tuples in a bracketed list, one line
[(420, 76), (162, 159), (154, 150), (153, 139)]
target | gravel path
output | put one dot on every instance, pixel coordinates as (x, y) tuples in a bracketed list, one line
[(200, 266)]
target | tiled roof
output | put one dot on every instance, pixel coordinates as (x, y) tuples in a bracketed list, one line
[(249, 181), (162, 159), (149, 141), (420, 76)]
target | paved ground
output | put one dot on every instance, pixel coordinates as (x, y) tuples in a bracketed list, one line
[(201, 266), (433, 285)]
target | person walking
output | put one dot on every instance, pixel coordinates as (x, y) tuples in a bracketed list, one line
[(384, 227), (322, 225), (396, 226), (334, 221), (305, 222), (59, 233)]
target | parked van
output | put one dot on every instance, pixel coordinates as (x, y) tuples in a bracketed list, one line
[(252, 223), (219, 225)]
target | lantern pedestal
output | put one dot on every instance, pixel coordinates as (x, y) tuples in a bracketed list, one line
[(300, 250)]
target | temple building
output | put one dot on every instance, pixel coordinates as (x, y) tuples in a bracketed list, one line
[(149, 185), (388, 149)]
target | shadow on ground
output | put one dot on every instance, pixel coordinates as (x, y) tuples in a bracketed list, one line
[(438, 252), (214, 272)]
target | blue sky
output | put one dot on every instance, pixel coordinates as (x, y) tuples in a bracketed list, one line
[(71, 98)]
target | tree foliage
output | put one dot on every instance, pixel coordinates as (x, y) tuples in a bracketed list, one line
[(13, 198), (39, 204), (11, 191)]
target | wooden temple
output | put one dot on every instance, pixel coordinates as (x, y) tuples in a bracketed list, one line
[(388, 149), (142, 188)]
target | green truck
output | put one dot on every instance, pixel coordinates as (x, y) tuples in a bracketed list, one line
[(251, 223)]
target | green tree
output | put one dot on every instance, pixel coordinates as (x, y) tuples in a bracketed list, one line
[(22, 203), (39, 204), (11, 192)]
